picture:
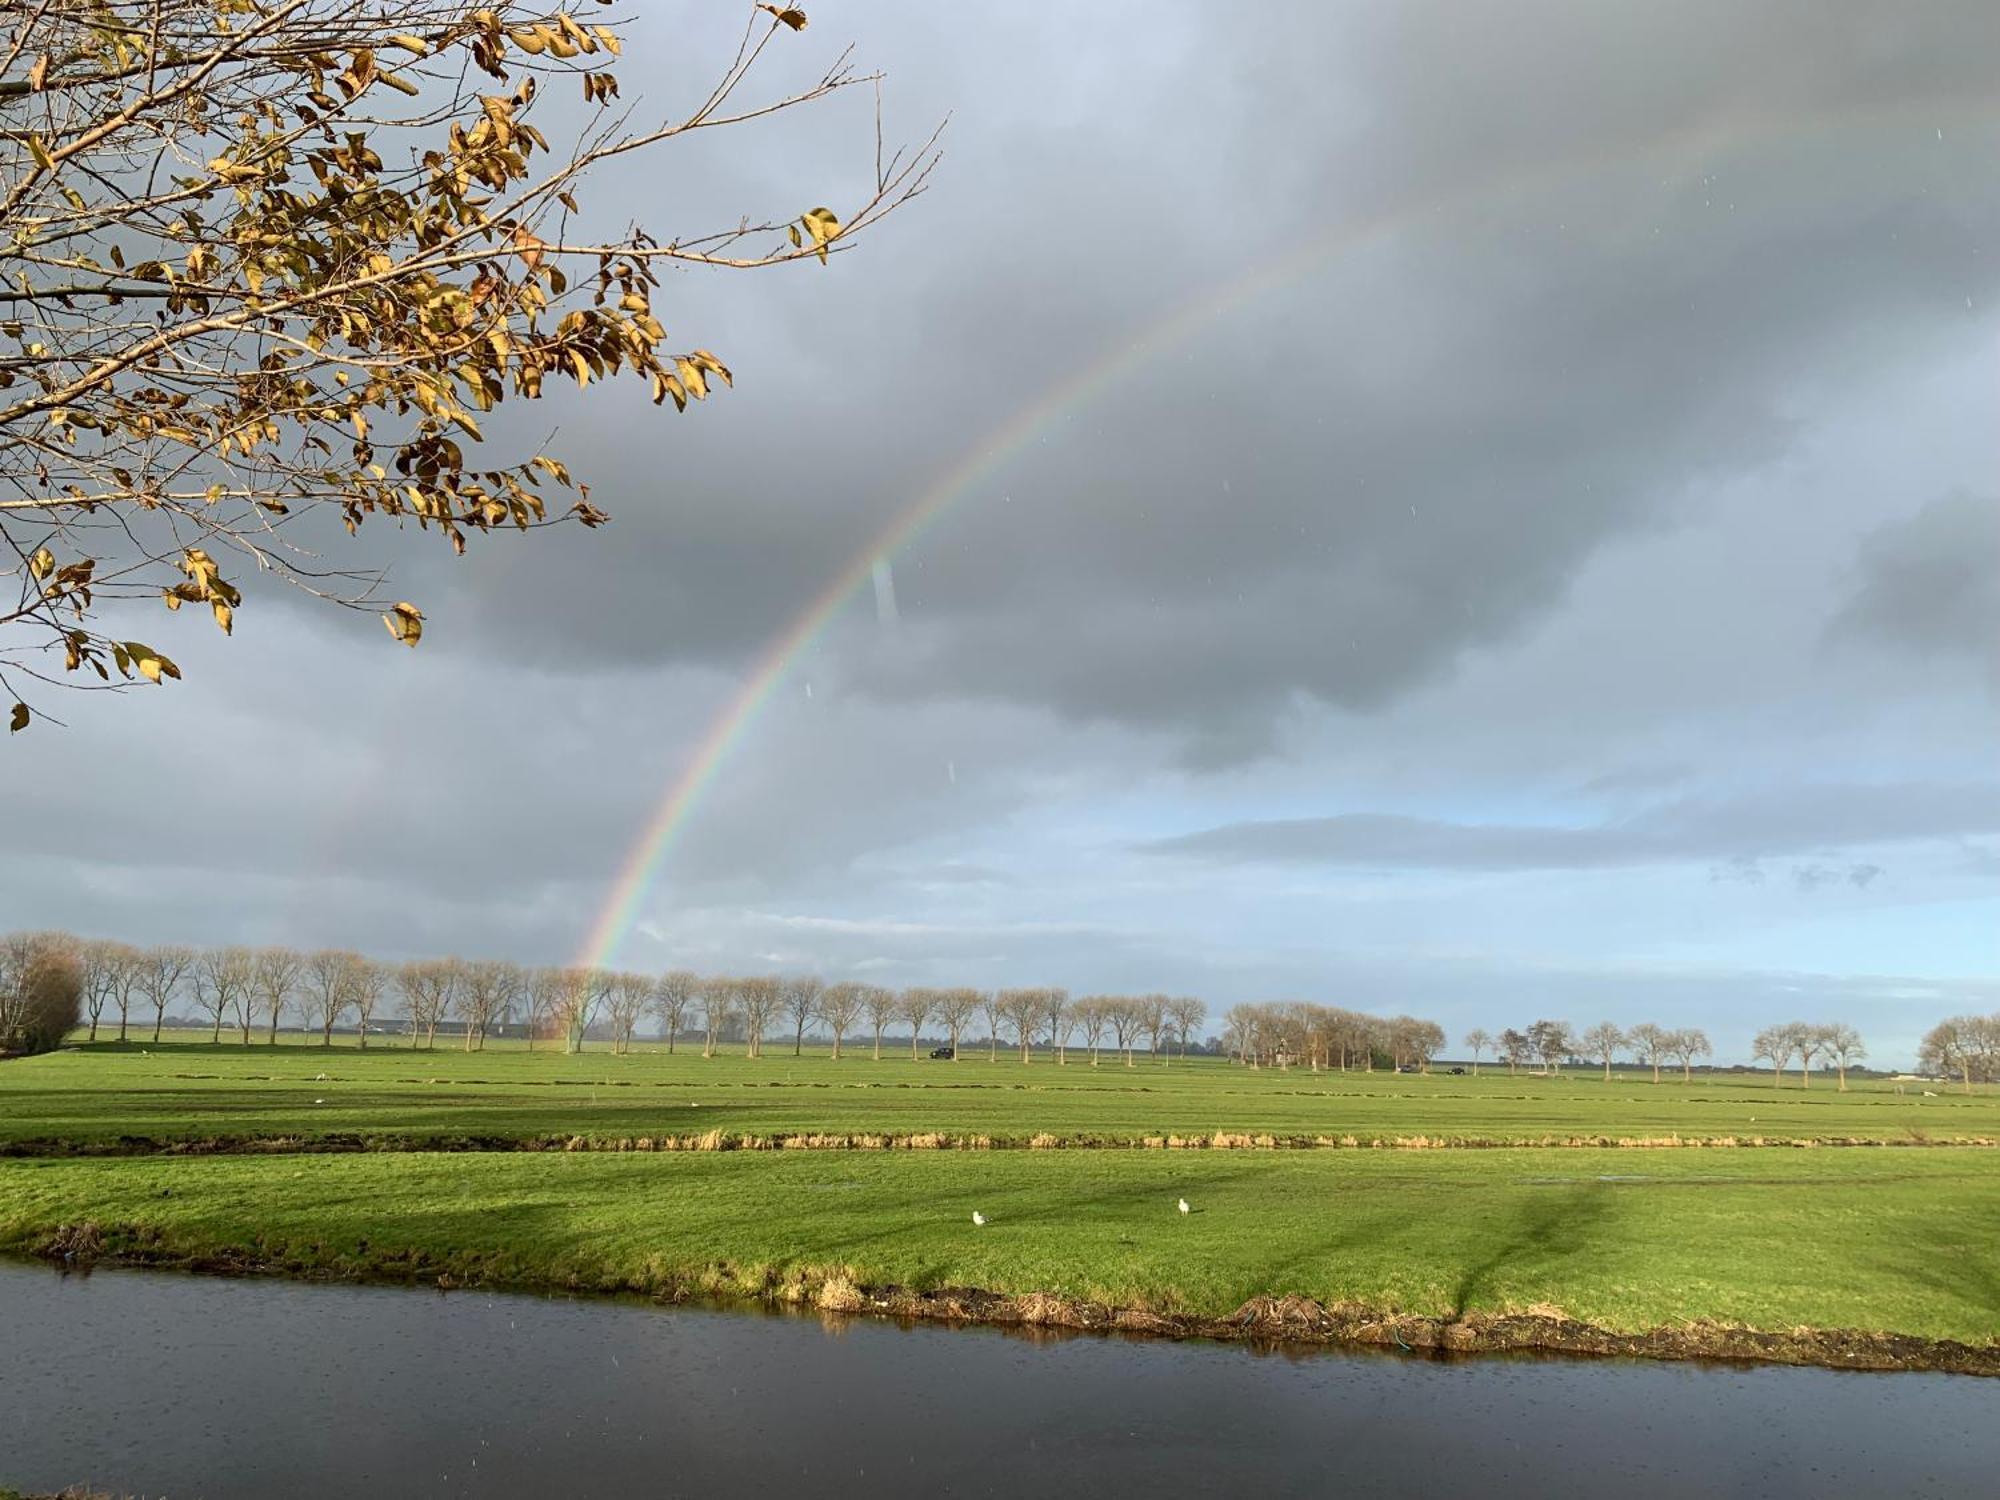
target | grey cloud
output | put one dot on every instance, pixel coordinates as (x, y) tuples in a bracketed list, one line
[(1538, 495), (1810, 878), (1930, 584), (1335, 490), (1740, 831)]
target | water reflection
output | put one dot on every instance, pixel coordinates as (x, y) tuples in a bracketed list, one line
[(182, 1386)]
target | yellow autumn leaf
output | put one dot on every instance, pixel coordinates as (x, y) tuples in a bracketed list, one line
[(405, 622)]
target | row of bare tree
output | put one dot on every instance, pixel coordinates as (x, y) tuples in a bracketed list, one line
[(253, 990), (1322, 1036), (1965, 1047), (1838, 1043), (1287, 1033), (1551, 1043)]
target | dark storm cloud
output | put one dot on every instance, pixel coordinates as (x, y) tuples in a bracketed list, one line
[(1791, 821), (1602, 285), (1930, 584)]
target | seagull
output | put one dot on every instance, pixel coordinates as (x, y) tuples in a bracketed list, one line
[(319, 1101), (978, 1217), (1184, 1207)]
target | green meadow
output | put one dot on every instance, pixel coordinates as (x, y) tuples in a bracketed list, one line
[(1791, 1234), (392, 1094)]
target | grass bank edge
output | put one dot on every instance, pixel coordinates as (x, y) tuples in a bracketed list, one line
[(1273, 1320)]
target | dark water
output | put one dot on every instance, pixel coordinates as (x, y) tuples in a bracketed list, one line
[(168, 1386)]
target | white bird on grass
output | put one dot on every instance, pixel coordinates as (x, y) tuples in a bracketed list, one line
[(978, 1217), (1184, 1207)]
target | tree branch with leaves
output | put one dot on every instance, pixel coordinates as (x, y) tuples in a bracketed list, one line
[(266, 261)]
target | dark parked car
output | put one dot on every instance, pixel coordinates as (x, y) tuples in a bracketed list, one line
[(1458, 1072), (943, 1052)]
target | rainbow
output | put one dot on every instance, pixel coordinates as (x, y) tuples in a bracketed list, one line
[(1077, 389), (990, 455)]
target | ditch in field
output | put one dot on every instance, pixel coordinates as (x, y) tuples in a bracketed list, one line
[(149, 1383)]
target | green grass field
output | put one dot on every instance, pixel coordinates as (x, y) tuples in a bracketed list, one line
[(188, 1090), (1772, 1237)]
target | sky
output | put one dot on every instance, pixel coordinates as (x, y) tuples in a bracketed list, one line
[(1488, 512)]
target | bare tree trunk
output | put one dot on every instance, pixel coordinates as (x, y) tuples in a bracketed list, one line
[(878, 1044), (1843, 1076)]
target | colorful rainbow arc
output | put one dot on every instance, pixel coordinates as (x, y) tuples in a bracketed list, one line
[(635, 875), (991, 454)]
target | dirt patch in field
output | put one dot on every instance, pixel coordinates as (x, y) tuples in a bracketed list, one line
[(341, 1142), (1284, 1321)]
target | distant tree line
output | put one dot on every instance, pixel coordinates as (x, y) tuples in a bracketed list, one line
[(51, 983), (252, 991), (1298, 1033), (1963, 1047), (1552, 1043), (1839, 1044)]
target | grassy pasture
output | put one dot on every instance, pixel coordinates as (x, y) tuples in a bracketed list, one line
[(1773, 1238), (187, 1090), (1770, 1237)]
